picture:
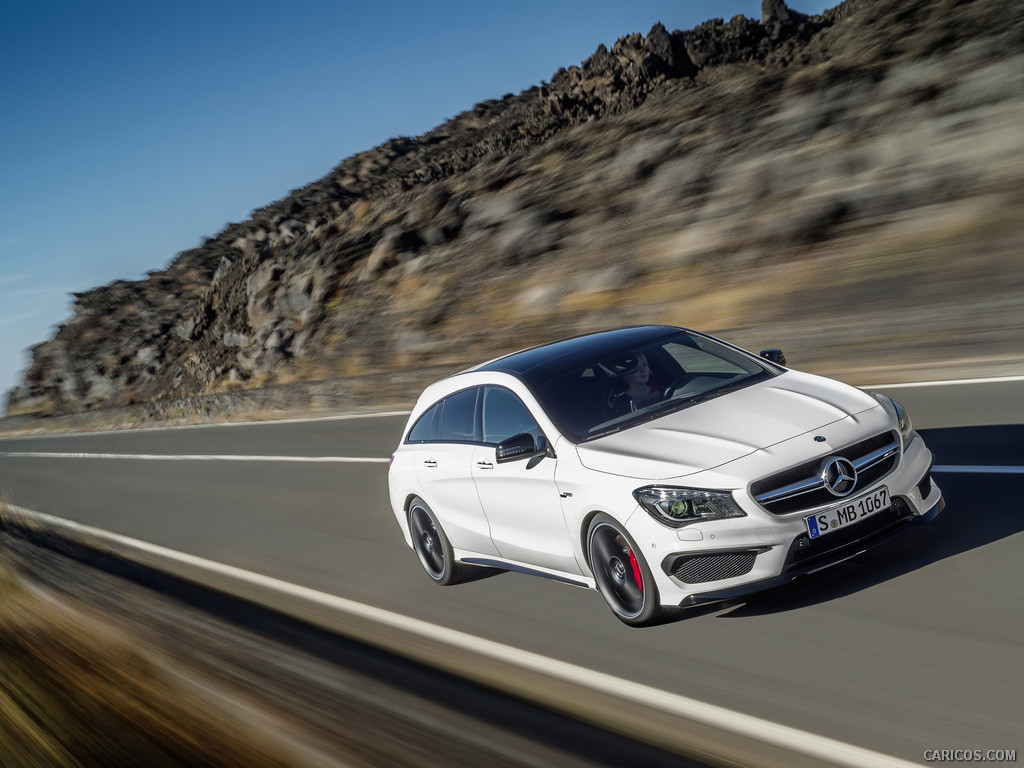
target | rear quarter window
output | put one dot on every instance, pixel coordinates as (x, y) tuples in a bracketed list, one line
[(428, 426)]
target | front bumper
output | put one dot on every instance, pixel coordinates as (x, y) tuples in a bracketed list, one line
[(722, 560), (799, 563)]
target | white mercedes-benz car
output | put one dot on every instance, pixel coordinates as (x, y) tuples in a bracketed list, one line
[(659, 465)]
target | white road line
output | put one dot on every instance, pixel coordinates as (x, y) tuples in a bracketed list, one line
[(194, 457), (995, 469), (267, 422), (308, 419), (945, 383), (830, 751)]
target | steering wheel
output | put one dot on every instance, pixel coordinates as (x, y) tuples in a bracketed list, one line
[(676, 384)]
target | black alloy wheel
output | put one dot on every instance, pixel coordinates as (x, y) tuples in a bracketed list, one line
[(432, 546), (622, 574)]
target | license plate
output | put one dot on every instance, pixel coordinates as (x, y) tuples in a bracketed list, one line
[(847, 513)]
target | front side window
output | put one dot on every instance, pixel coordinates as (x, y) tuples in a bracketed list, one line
[(505, 416), (711, 360)]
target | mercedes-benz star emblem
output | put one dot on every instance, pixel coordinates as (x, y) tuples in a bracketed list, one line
[(839, 476)]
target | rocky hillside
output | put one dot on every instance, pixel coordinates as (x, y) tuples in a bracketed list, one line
[(847, 186)]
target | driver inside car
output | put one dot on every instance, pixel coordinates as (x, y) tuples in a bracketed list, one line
[(633, 387)]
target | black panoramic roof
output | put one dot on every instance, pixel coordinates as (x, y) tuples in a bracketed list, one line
[(538, 362)]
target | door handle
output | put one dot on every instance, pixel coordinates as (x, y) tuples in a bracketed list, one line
[(485, 465), (429, 463)]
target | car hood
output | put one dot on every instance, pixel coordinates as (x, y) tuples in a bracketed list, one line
[(713, 433)]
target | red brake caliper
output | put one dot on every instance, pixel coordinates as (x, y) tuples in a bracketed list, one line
[(636, 571)]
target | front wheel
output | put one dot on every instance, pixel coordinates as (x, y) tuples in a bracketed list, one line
[(432, 545), (622, 574)]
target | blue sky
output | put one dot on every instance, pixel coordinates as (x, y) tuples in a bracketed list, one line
[(131, 131)]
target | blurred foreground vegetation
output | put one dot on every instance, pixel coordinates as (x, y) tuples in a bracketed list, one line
[(73, 692)]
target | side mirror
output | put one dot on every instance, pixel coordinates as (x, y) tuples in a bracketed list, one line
[(775, 355), (522, 446)]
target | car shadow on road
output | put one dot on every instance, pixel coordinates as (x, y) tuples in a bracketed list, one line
[(979, 511)]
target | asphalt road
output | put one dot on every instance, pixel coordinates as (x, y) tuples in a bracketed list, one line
[(914, 646)]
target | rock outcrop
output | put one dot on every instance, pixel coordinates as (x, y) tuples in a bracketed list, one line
[(785, 173)]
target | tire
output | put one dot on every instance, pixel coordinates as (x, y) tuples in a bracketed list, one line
[(432, 546), (622, 574)]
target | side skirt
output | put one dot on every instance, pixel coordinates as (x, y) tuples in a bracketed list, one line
[(505, 566)]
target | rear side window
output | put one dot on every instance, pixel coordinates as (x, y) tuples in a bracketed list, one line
[(427, 427), (459, 420)]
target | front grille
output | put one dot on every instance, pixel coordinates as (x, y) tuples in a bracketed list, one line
[(696, 569), (801, 487), (805, 550)]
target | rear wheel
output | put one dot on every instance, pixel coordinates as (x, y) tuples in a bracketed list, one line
[(622, 575), (432, 545)]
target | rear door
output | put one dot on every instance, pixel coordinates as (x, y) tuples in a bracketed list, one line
[(443, 462)]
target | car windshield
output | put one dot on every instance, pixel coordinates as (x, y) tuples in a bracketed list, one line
[(625, 387)]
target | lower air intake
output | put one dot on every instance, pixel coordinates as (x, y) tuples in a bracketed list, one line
[(697, 569)]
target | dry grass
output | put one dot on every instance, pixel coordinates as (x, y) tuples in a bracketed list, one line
[(73, 692)]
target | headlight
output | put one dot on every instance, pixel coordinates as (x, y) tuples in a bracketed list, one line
[(677, 507), (903, 419), (906, 427)]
